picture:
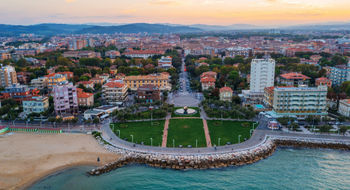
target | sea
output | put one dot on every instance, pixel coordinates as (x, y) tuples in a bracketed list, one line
[(287, 168)]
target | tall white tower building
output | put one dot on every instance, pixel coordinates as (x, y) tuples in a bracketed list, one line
[(262, 74)]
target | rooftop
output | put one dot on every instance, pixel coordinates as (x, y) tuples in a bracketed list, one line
[(294, 76)]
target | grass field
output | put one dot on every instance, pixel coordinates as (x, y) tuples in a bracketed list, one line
[(173, 114), (142, 132), (185, 132), (228, 131)]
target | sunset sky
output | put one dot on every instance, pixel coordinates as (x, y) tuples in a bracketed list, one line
[(220, 12)]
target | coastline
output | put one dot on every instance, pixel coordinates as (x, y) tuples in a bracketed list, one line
[(27, 158)]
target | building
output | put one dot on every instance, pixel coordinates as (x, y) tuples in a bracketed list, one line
[(339, 74), (149, 93), (165, 62), (323, 81), (115, 93), (211, 74), (67, 74), (161, 80), (39, 83), (262, 75), (142, 53), (65, 99), (268, 96), (300, 101), (112, 54), (8, 76), (241, 51), (207, 83), (81, 54), (344, 107), (86, 84), (85, 99), (23, 77), (18, 92), (293, 79), (54, 78), (226, 94), (35, 104)]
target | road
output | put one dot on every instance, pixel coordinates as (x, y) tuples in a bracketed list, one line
[(184, 97)]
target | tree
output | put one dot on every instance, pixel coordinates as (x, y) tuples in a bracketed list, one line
[(343, 129), (325, 128)]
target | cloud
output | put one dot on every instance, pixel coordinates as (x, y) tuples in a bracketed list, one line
[(164, 2), (70, 1)]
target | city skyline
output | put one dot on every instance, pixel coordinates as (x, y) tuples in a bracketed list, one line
[(222, 12)]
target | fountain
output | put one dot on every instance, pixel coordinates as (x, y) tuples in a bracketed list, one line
[(185, 111)]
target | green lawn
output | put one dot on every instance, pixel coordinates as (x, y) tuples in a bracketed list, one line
[(173, 114), (185, 132), (228, 131), (142, 131)]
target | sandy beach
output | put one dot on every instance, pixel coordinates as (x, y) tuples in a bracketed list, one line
[(26, 158)]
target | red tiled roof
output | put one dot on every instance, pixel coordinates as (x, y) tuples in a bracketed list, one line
[(208, 79), (114, 85), (226, 89), (294, 76)]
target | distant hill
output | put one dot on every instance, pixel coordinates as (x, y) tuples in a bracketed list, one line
[(139, 27), (54, 29), (321, 26), (41, 29)]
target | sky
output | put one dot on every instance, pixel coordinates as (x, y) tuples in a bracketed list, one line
[(214, 12)]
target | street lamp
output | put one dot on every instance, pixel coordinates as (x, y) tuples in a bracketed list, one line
[(196, 143), (150, 108), (118, 132), (151, 142), (219, 141), (132, 138), (251, 132), (239, 139), (173, 143)]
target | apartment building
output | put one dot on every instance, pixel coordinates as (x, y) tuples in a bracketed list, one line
[(54, 78), (65, 99), (85, 99), (115, 93), (149, 93), (339, 74), (18, 92), (300, 101), (39, 83), (8, 76), (165, 62), (262, 74), (35, 104), (344, 107), (161, 80)]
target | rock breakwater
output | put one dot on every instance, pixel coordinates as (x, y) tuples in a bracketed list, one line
[(196, 161)]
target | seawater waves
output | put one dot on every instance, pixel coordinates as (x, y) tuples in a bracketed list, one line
[(287, 168)]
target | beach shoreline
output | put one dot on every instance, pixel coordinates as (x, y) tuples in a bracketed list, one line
[(26, 158)]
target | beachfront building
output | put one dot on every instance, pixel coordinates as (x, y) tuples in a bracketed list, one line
[(226, 94), (115, 93), (262, 75), (293, 79), (85, 99), (300, 101), (65, 99), (161, 80), (35, 104), (344, 107), (8, 76)]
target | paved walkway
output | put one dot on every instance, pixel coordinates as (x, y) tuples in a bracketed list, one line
[(165, 133), (206, 132)]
